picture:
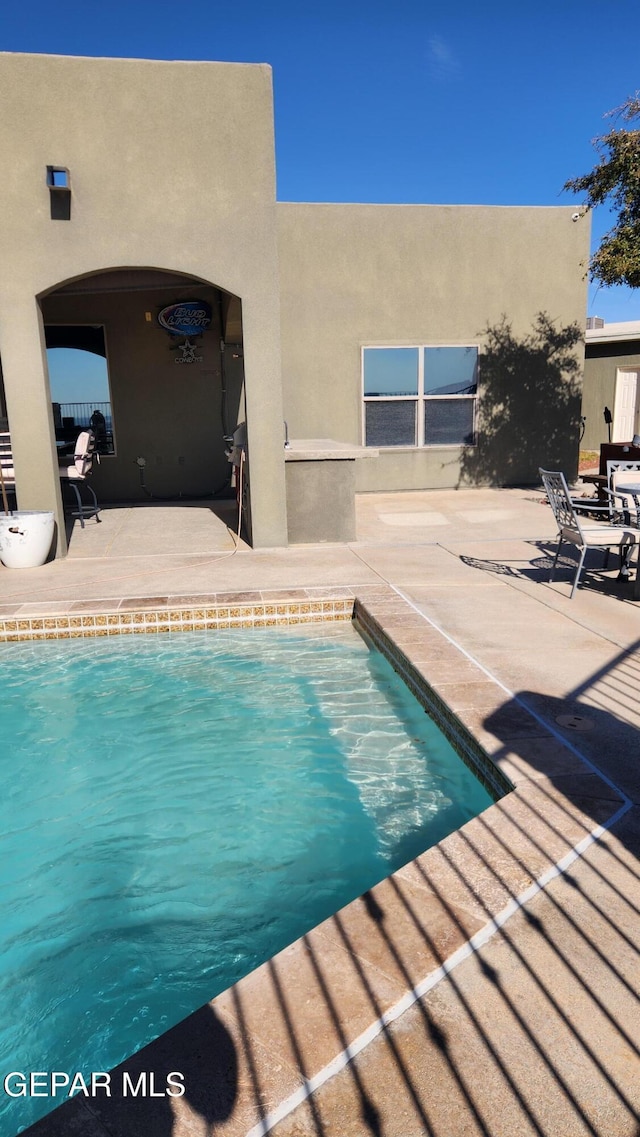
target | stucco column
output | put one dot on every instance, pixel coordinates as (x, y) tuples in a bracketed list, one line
[(265, 422), (26, 382)]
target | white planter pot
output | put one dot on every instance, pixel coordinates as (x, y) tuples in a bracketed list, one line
[(25, 538)]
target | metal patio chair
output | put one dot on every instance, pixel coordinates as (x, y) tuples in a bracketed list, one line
[(585, 534), (75, 470), (623, 473), (7, 472)]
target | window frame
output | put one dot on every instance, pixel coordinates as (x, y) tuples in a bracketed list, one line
[(113, 453), (419, 399)]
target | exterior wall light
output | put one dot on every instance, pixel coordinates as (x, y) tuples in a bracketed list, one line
[(59, 184)]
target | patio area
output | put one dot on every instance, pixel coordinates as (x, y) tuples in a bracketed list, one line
[(532, 1030)]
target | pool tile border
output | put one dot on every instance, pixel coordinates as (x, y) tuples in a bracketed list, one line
[(137, 615), (421, 915)]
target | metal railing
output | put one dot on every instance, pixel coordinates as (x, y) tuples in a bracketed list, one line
[(81, 413), (69, 418)]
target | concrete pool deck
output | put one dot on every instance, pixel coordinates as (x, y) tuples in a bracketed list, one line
[(534, 1029)]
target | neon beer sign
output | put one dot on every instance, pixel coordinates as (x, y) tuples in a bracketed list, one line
[(187, 318)]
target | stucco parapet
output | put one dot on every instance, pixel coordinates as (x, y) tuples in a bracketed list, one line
[(434, 207)]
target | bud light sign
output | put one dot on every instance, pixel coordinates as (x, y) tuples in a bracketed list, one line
[(188, 318)]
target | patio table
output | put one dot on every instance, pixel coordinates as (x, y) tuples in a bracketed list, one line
[(633, 490)]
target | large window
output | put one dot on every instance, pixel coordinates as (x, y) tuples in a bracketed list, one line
[(419, 396)]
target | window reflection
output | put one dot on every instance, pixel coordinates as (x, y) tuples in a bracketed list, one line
[(391, 371), (450, 370), (79, 384)]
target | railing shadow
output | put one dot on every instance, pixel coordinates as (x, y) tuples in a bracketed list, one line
[(544, 1013), (599, 717), (463, 1024)]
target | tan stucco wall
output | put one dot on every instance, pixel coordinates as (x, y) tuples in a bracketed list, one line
[(354, 275), (172, 167), (600, 367)]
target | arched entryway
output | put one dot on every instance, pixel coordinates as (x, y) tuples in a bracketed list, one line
[(172, 385)]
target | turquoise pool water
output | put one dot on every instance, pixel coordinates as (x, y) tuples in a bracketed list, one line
[(178, 809)]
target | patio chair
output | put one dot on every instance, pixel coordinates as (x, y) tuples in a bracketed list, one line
[(74, 471), (582, 533), (8, 480), (623, 473)]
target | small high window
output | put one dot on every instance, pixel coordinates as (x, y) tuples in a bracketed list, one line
[(59, 185), (57, 177)]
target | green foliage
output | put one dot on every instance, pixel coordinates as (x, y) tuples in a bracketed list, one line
[(616, 179)]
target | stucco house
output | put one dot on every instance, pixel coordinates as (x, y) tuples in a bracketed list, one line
[(404, 346), (611, 388)]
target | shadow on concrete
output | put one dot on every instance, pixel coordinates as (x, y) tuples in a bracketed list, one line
[(531, 1031), (599, 718), (431, 1070), (139, 516), (530, 401), (596, 576), (221, 506), (200, 1048)]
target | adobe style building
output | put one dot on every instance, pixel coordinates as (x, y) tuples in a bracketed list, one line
[(401, 344)]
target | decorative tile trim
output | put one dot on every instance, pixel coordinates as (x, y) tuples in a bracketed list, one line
[(134, 617)]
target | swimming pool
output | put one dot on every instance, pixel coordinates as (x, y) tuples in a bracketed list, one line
[(176, 812)]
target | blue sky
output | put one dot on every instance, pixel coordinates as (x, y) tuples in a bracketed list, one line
[(483, 103), (77, 377)]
